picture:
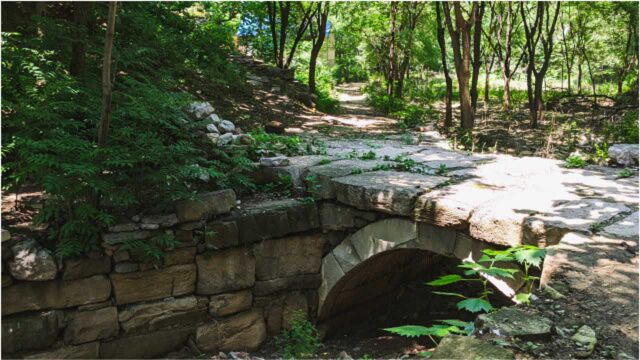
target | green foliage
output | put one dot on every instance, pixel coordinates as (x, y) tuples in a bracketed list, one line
[(370, 155), (152, 249), (625, 173), (575, 162), (477, 272), (301, 341), (442, 170), (626, 131), (601, 152), (273, 144)]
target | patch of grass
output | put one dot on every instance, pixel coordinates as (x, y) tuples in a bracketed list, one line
[(625, 173), (368, 156), (575, 162), (356, 171)]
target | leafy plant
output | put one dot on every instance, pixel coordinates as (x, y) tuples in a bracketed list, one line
[(301, 340), (575, 162), (371, 155), (625, 173), (442, 170)]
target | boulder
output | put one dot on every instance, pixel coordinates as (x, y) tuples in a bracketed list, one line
[(86, 326), (226, 126), (212, 129), (149, 345), (290, 256), (624, 154), (160, 314), (225, 139), (30, 331), (205, 205), (199, 110), (213, 119), (231, 303), (509, 321), (469, 348), (213, 138), (89, 265), (225, 270), (55, 294), (154, 284), (274, 161), (242, 332), (84, 351), (31, 262)]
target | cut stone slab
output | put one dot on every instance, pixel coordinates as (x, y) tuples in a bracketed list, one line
[(435, 157), (154, 284), (573, 216), (469, 348), (162, 314), (55, 294), (231, 303), (179, 256), (30, 331), (241, 332), (120, 237), (321, 185), (340, 217), (226, 270), (453, 205), (84, 351), (296, 170), (205, 205), (86, 326), (150, 345), (162, 220), (124, 227), (277, 218), (289, 256), (298, 282), (382, 236), (391, 192), (509, 321), (626, 228), (222, 235)]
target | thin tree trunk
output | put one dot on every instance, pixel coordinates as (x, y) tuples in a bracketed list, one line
[(537, 113), (477, 49), (322, 16), (103, 128), (580, 77), (392, 49), (448, 117)]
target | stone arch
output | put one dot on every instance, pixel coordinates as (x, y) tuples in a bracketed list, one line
[(386, 236)]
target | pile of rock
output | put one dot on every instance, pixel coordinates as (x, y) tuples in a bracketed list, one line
[(219, 131), (624, 154)]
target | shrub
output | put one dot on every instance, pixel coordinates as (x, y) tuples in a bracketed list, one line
[(301, 341), (575, 162), (626, 131)]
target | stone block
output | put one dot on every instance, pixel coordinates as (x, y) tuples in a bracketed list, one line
[(319, 179), (123, 227), (84, 351), (242, 332), (510, 321), (161, 220), (221, 235), (86, 326), (225, 270), (470, 348), (439, 240), (339, 217), (55, 294), (30, 331), (179, 256), (299, 282), (390, 192), (145, 346), (230, 303), (120, 237), (289, 256), (154, 284), (206, 205), (32, 262), (382, 235), (171, 312), (272, 219), (92, 264)]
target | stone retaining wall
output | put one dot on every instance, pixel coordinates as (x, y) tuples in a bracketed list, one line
[(236, 277)]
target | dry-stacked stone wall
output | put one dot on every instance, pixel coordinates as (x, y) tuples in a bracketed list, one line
[(236, 277)]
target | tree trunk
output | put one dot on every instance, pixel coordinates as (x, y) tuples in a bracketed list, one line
[(477, 49), (537, 111), (448, 117), (506, 95), (103, 128), (312, 70), (580, 77), (322, 15), (392, 50), (81, 10)]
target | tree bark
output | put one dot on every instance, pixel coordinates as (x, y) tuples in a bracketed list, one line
[(105, 114), (477, 50), (322, 14), (392, 49), (448, 118)]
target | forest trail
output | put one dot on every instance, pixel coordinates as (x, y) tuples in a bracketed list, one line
[(354, 117)]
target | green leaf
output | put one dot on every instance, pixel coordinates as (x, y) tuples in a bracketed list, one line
[(445, 280), (500, 272), (410, 330), (448, 294), (425, 354), (453, 322), (475, 305), (529, 255), (523, 298)]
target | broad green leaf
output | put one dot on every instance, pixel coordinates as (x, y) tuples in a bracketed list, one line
[(445, 280), (475, 305), (500, 272), (529, 255), (523, 298), (425, 354), (458, 323), (410, 330)]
